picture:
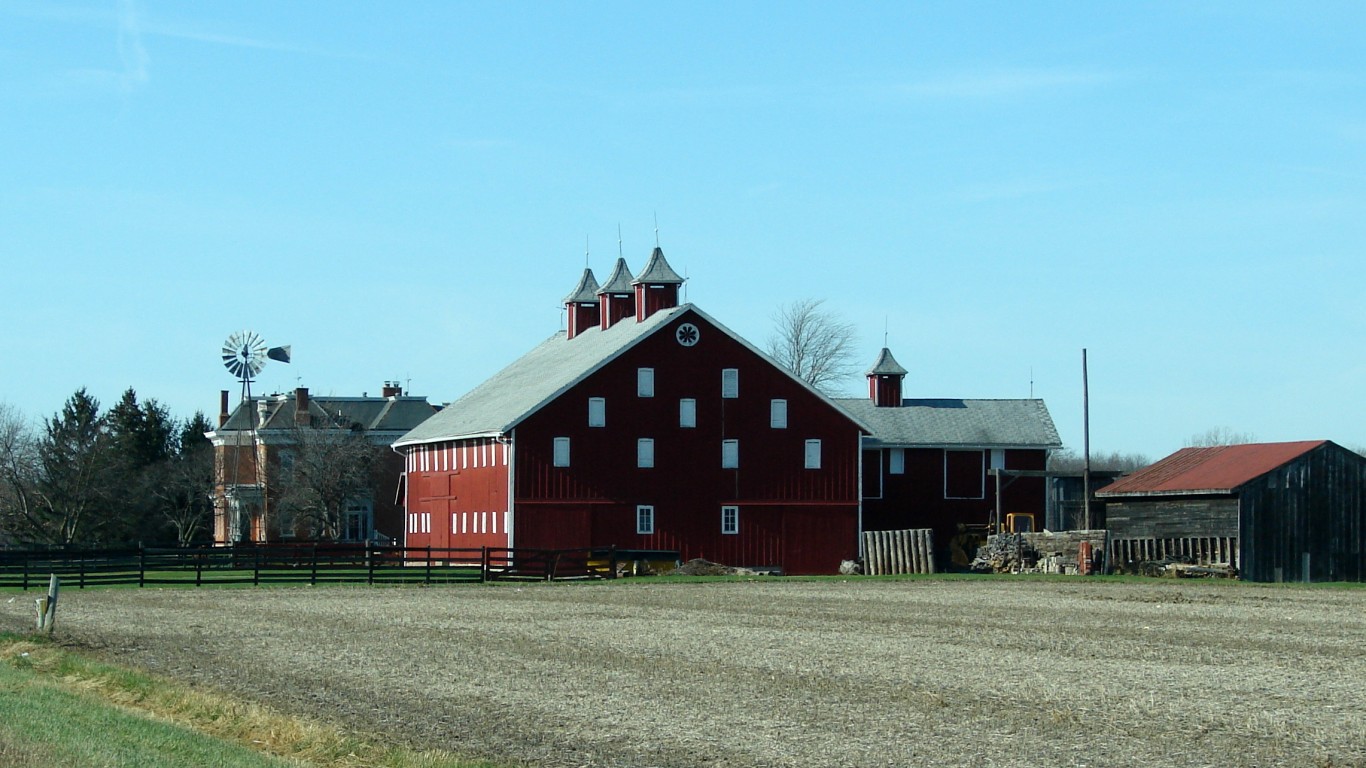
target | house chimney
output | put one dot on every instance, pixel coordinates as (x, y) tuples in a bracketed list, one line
[(656, 287), (301, 415), (884, 380), (391, 389), (223, 407), (616, 298)]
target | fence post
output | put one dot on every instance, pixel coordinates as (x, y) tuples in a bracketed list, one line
[(199, 568), (26, 562), (483, 564), (313, 568), (142, 566), (612, 562), (81, 570), (552, 564), (47, 606), (369, 563)]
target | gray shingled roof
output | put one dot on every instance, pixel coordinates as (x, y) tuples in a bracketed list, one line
[(374, 414), (657, 270), (886, 365), (547, 371), (619, 281), (586, 292), (949, 422)]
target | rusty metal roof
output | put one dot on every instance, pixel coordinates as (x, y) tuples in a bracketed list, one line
[(1219, 469)]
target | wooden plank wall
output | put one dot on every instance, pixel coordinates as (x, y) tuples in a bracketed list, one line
[(893, 552), (1200, 550)]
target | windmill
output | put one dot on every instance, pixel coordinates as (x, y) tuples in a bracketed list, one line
[(244, 355)]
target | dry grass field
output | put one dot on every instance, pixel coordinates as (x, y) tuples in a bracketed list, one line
[(983, 672)]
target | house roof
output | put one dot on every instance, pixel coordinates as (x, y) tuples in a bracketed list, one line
[(586, 292), (1219, 469), (657, 270), (950, 422), (886, 365), (547, 371), (620, 279), (374, 414)]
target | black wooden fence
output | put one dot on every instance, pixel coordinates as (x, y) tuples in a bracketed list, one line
[(302, 564)]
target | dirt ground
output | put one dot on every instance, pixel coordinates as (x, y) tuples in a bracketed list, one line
[(779, 673)]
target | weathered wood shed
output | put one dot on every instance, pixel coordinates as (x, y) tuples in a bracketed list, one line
[(1277, 511)]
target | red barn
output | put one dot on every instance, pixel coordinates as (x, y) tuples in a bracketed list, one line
[(928, 462), (644, 425)]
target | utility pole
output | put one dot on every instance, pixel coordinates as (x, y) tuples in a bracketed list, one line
[(1086, 445)]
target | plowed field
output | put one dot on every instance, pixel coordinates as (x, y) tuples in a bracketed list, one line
[(779, 673)]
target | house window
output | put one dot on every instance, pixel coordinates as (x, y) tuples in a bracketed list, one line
[(645, 452), (645, 382), (645, 519), (561, 451), (597, 412), (687, 413), (896, 461), (777, 414), (730, 382), (963, 474), (730, 520), (730, 454), (359, 521), (813, 454)]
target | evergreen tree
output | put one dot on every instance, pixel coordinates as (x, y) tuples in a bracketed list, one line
[(76, 476)]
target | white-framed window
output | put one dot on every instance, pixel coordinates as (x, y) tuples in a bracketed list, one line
[(896, 461), (687, 413), (358, 521), (645, 452), (561, 451), (730, 382), (645, 519), (597, 412), (998, 458), (777, 414), (730, 454), (813, 454), (730, 520), (645, 382)]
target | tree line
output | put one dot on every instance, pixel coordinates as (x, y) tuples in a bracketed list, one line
[(88, 477)]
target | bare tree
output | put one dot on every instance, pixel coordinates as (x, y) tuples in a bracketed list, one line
[(327, 467), (18, 473), (1068, 460), (815, 344), (1215, 436)]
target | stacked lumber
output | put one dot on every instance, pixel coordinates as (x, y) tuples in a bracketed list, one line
[(892, 552)]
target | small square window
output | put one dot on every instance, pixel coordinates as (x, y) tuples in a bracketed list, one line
[(777, 414), (730, 454), (813, 454), (730, 383), (687, 413), (730, 520), (597, 412), (645, 382), (561, 451), (645, 519), (645, 452)]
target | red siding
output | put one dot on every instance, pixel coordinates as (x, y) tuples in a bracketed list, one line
[(461, 487), (803, 520)]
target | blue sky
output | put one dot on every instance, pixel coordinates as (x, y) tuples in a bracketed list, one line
[(405, 191)]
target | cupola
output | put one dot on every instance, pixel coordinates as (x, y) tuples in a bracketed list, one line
[(615, 297), (582, 305), (884, 380), (656, 287)]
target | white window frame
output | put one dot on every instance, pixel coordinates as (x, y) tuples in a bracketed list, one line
[(998, 458), (896, 461), (597, 411), (687, 413), (561, 453), (730, 383), (645, 452), (777, 413), (645, 382), (811, 455), (730, 454), (645, 519), (730, 520)]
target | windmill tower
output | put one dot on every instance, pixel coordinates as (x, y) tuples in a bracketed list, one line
[(244, 355)]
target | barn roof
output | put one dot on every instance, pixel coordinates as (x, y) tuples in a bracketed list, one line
[(586, 292), (547, 371), (619, 281), (1219, 469), (952, 422), (886, 365), (657, 270)]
